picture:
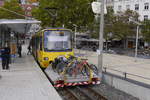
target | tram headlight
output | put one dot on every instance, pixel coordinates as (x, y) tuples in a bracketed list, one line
[(46, 58)]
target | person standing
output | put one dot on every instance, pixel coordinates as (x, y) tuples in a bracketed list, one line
[(5, 55), (19, 50)]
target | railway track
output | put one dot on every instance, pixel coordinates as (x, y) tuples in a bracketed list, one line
[(94, 95), (80, 93), (68, 94)]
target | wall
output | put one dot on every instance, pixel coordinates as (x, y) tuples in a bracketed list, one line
[(134, 88)]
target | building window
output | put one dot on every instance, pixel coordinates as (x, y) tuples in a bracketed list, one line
[(146, 6), (127, 6), (119, 8), (145, 17), (136, 6)]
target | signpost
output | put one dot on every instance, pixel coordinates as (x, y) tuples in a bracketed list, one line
[(137, 36)]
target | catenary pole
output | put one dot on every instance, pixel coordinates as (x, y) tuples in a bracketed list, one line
[(75, 35), (136, 46), (100, 53)]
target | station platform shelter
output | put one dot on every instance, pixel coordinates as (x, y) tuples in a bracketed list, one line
[(24, 80), (13, 32)]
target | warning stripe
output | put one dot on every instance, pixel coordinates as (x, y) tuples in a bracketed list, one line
[(98, 82), (85, 82), (59, 85), (74, 84), (80, 83), (93, 82), (69, 84)]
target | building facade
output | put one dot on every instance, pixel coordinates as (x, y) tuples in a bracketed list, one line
[(142, 7), (28, 5), (1, 3), (109, 3)]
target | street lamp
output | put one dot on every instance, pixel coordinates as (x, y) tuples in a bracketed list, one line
[(75, 33), (136, 47), (137, 36)]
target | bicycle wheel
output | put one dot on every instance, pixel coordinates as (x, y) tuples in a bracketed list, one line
[(60, 67), (94, 69), (85, 71), (69, 71)]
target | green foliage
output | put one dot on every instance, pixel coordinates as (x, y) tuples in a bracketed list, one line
[(69, 12), (109, 22), (146, 30), (13, 5), (117, 26), (122, 27)]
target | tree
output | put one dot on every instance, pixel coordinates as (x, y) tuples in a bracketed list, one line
[(146, 30), (69, 12), (109, 22), (12, 5), (122, 27)]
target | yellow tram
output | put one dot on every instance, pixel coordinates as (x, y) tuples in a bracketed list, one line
[(50, 43)]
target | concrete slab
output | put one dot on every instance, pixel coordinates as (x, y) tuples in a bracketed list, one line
[(122, 63), (25, 81)]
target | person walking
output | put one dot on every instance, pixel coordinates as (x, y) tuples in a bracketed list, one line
[(29, 50), (5, 55), (19, 50)]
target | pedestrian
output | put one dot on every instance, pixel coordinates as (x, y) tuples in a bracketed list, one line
[(29, 50), (19, 50), (5, 55)]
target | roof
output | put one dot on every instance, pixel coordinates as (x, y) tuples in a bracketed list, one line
[(19, 21), (19, 25), (56, 28)]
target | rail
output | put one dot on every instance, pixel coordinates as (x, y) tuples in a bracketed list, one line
[(96, 94), (81, 93), (68, 94), (91, 94), (125, 74)]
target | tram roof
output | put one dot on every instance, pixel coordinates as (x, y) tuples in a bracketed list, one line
[(55, 28), (18, 25)]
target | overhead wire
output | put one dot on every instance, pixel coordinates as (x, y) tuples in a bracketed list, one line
[(13, 12)]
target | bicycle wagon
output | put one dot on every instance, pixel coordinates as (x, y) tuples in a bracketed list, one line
[(72, 71)]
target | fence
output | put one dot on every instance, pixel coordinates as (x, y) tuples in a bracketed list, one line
[(125, 74)]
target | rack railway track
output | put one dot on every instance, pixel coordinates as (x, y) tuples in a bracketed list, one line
[(80, 93), (68, 94)]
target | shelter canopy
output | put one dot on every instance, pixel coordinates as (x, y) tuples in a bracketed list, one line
[(19, 25)]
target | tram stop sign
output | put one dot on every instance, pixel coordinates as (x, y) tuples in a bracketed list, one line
[(96, 7)]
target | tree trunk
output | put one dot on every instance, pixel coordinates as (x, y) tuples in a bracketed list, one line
[(106, 46), (125, 43)]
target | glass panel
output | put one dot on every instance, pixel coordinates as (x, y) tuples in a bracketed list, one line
[(136, 6), (57, 40), (146, 6)]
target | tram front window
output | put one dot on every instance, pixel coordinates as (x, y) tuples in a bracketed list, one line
[(57, 40)]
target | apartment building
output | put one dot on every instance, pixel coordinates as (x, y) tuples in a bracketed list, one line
[(1, 2), (109, 3), (140, 6)]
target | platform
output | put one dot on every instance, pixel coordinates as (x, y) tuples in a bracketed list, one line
[(140, 67), (25, 81)]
